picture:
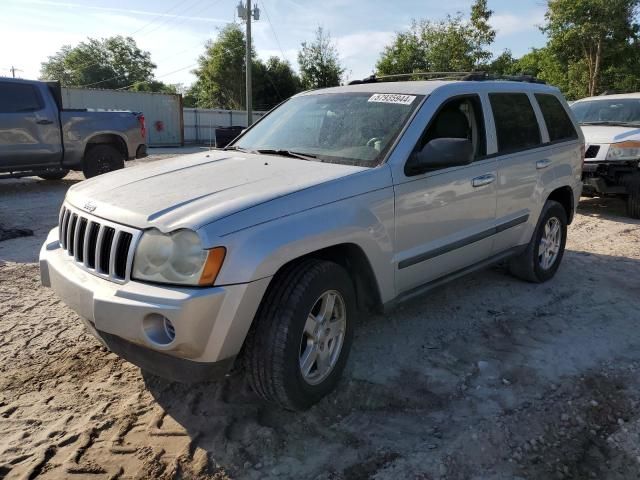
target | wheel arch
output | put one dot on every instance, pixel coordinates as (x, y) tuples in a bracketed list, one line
[(565, 197), (107, 139), (354, 260)]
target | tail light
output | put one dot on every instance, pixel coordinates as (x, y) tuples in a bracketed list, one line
[(143, 127)]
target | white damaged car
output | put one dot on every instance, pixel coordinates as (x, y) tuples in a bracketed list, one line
[(611, 127)]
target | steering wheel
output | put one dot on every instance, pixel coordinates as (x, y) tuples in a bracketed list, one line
[(373, 140)]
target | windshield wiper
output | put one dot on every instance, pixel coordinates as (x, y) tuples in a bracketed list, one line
[(612, 123), (239, 149), (287, 153)]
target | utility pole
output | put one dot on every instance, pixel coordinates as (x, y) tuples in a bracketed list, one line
[(246, 13), (13, 71)]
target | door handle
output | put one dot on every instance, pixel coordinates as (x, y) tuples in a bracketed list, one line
[(540, 164), (483, 180), (44, 121)]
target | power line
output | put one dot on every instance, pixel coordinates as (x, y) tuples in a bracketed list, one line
[(164, 19), (180, 22), (193, 4), (122, 74), (161, 15), (275, 35), (159, 76)]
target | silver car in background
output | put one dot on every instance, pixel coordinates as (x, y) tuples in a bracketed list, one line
[(40, 137), (339, 201)]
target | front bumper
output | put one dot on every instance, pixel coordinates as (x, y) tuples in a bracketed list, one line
[(606, 178), (210, 323)]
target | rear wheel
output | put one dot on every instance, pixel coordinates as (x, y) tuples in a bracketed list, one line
[(302, 334), (54, 174), (101, 159), (540, 261), (632, 184)]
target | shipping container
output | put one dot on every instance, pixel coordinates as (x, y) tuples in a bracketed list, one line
[(162, 111)]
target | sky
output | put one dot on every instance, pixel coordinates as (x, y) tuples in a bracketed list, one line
[(174, 31)]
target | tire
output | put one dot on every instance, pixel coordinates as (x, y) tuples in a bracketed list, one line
[(631, 182), (279, 337), (530, 265), (633, 205), (54, 175), (101, 159)]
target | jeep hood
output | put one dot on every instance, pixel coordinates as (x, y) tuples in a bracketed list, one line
[(193, 190), (608, 134)]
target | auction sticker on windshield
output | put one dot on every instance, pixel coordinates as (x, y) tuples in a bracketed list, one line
[(392, 98)]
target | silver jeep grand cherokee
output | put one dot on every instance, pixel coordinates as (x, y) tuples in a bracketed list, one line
[(338, 201)]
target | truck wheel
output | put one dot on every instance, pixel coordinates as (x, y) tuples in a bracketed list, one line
[(301, 336), (633, 205), (540, 261), (54, 175), (101, 159)]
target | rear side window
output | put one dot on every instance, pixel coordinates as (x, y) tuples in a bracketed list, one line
[(18, 97), (559, 125), (516, 124)]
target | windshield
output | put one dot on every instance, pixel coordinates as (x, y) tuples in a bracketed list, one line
[(347, 128), (608, 112)]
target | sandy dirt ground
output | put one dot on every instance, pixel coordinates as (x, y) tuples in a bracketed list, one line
[(486, 378)]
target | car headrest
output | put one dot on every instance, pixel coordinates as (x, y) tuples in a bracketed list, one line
[(452, 123)]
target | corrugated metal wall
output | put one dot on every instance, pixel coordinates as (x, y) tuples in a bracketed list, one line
[(200, 124), (163, 112)]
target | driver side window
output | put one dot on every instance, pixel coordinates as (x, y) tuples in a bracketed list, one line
[(459, 117)]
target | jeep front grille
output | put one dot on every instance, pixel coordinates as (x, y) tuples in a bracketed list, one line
[(101, 247)]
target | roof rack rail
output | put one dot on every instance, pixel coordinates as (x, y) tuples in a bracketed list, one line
[(437, 76), (464, 76)]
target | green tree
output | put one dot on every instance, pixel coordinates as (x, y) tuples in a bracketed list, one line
[(406, 54), (273, 81), (319, 62), (155, 86), (482, 34), (220, 76), (592, 37), (114, 62), (220, 73), (452, 44), (503, 64)]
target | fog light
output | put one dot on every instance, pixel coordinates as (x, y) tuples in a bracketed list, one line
[(159, 329), (169, 329)]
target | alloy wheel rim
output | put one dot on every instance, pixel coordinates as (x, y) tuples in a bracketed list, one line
[(549, 247), (322, 337)]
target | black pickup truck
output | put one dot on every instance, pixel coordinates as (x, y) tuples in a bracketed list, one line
[(38, 137)]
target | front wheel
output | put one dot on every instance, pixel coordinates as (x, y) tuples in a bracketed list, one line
[(302, 334), (101, 159), (540, 261)]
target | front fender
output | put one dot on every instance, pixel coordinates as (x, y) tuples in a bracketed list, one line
[(365, 220)]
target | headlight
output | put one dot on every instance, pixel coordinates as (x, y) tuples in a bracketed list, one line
[(624, 151), (177, 258)]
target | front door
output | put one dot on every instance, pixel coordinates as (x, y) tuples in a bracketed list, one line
[(29, 130), (445, 218)]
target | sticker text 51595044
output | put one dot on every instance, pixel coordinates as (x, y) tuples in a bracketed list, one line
[(392, 98)]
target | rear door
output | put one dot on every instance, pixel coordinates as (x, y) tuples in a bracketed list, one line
[(29, 129), (521, 160)]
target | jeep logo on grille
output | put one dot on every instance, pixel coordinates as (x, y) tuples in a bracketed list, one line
[(89, 207)]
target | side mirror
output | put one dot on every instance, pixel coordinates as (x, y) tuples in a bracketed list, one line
[(443, 153)]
